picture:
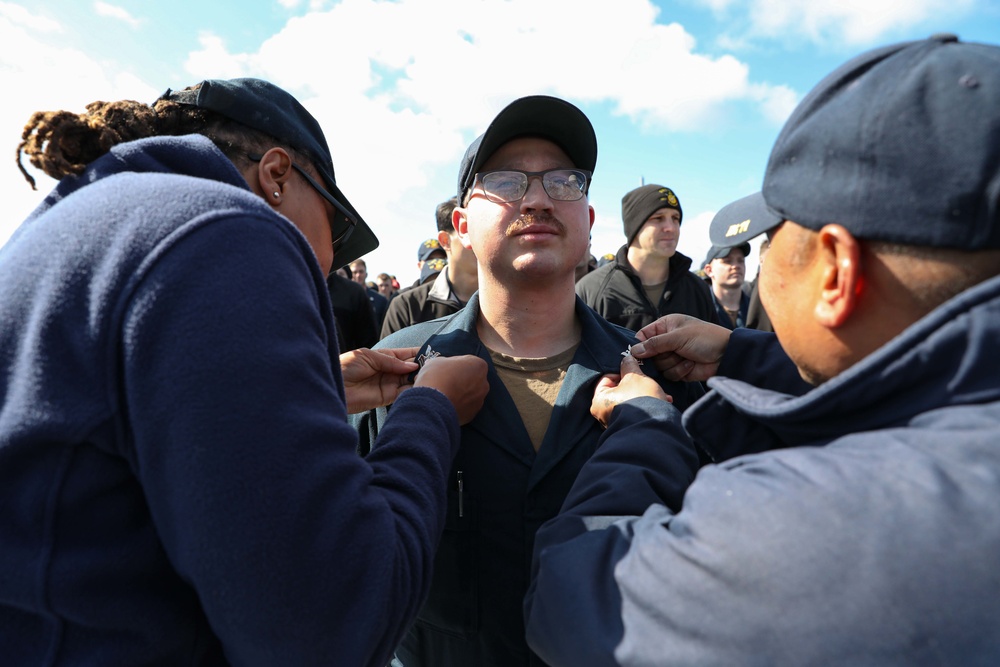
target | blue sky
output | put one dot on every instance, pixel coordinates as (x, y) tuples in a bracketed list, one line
[(689, 94)]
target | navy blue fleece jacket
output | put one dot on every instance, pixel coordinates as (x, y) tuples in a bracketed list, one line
[(852, 523), (178, 481)]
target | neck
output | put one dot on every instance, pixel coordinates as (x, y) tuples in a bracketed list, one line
[(531, 321), (463, 284), (728, 296), (653, 269)]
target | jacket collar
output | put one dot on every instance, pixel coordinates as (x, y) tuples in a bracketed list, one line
[(442, 292), (191, 155), (599, 353), (945, 359), (679, 264)]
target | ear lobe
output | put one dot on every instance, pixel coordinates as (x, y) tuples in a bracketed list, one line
[(460, 222), (841, 276), (272, 174), (444, 239)]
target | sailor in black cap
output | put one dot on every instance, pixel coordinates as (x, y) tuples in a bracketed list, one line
[(178, 481), (852, 514)]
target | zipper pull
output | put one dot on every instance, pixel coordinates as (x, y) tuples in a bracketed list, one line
[(461, 495)]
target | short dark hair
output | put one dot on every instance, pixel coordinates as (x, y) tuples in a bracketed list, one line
[(444, 215)]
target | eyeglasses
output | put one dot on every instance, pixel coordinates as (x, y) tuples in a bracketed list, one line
[(509, 185), (349, 218)]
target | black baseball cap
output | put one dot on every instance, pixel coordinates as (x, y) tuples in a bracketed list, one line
[(265, 107), (538, 115), (901, 145)]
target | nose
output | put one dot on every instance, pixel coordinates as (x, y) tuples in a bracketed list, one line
[(535, 198)]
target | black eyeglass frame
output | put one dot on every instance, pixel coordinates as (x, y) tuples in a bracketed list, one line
[(587, 175), (352, 220)]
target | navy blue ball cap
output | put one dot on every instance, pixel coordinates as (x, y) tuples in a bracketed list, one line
[(901, 145), (263, 106), (431, 268), (716, 252), (740, 221), (538, 115), (427, 248)]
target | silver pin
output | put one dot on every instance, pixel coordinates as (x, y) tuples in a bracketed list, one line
[(428, 354), (628, 353)]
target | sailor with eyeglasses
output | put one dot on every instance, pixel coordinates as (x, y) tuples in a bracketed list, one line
[(523, 209)]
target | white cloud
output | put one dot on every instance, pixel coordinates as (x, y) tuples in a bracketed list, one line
[(19, 16), (213, 61), (462, 67), (57, 78), (694, 237), (776, 102), (399, 106), (117, 13)]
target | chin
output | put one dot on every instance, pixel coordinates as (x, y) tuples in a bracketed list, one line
[(668, 251), (813, 377), (535, 266)]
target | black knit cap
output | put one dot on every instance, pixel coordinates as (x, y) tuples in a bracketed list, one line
[(643, 202), (263, 106)]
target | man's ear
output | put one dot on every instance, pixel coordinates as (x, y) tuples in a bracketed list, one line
[(269, 177), (841, 276), (444, 238), (460, 222), (593, 216)]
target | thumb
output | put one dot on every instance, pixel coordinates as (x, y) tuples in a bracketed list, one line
[(387, 362), (608, 381), (399, 366), (631, 365)]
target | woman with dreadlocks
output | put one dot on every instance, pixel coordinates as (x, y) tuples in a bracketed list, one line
[(178, 481)]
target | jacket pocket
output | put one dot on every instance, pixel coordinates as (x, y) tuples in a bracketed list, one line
[(453, 602)]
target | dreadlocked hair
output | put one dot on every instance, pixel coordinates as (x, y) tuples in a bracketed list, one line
[(62, 143)]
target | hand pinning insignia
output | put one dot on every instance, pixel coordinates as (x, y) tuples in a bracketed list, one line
[(428, 354), (628, 353)]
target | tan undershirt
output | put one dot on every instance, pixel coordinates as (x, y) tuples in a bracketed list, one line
[(655, 292), (534, 385)]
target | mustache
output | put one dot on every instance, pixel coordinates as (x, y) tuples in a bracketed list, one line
[(529, 219)]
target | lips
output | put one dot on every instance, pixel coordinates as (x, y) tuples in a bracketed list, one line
[(535, 229)]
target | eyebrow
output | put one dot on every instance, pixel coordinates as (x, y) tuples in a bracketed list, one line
[(519, 164)]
